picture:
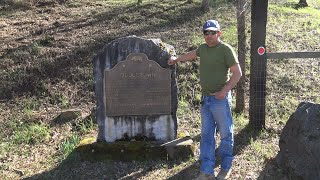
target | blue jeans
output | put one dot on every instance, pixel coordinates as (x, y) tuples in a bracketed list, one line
[(216, 113)]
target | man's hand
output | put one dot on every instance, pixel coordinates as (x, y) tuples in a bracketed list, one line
[(236, 74), (192, 55), (220, 94), (172, 60)]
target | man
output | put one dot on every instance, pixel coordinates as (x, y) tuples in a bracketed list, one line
[(217, 60)]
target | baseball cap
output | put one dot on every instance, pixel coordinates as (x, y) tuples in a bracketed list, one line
[(212, 25)]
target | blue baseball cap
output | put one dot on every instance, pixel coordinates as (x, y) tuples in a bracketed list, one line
[(211, 25)]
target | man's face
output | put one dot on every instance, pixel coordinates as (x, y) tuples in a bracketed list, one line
[(211, 37)]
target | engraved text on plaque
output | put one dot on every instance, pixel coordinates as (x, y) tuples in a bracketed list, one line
[(137, 86)]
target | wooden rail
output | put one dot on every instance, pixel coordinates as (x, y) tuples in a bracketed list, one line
[(287, 55)]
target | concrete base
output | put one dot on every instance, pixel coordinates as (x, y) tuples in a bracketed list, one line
[(178, 149), (157, 128)]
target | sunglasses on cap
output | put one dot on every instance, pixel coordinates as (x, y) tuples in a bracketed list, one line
[(206, 33)]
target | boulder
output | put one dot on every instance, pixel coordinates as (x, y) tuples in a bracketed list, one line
[(300, 143)]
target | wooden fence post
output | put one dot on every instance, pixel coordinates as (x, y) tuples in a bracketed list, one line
[(258, 64)]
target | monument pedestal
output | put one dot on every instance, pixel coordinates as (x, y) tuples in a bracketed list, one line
[(178, 149)]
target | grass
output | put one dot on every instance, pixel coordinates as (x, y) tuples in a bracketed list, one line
[(46, 67), (69, 145), (299, 30), (291, 86), (31, 134)]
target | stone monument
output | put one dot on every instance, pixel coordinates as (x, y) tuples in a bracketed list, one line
[(136, 91)]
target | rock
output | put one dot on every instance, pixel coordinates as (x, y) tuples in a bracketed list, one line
[(300, 143), (67, 115), (181, 148)]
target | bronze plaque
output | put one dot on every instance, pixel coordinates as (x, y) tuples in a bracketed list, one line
[(137, 86)]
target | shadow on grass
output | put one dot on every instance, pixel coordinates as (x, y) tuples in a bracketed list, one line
[(190, 172), (242, 139), (12, 6), (84, 163), (82, 166), (296, 6), (76, 65), (272, 171), (77, 166)]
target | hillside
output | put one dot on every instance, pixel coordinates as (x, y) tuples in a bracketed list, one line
[(46, 52)]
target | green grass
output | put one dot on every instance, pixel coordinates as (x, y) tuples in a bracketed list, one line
[(30, 104), (240, 120), (297, 26), (291, 81), (31, 134), (230, 34), (197, 38), (85, 126), (63, 101), (69, 145), (4, 148)]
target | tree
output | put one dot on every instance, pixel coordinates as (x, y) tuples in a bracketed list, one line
[(303, 3), (241, 27), (205, 5)]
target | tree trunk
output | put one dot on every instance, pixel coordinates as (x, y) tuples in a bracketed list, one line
[(205, 5), (303, 3), (241, 27)]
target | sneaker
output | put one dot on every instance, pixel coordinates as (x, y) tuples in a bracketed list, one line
[(223, 174), (203, 176)]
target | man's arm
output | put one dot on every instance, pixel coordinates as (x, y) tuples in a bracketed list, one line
[(236, 74), (192, 55)]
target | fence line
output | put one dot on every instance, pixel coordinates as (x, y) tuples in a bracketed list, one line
[(290, 82), (286, 55)]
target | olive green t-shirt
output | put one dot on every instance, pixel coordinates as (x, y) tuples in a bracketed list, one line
[(214, 66)]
